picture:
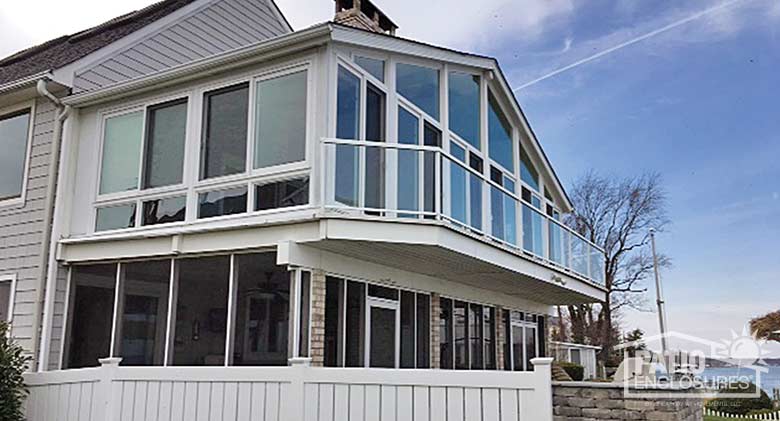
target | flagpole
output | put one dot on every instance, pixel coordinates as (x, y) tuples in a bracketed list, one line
[(659, 298)]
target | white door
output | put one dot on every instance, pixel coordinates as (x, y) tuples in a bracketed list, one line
[(382, 328)]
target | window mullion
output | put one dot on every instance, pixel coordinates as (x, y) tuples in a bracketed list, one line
[(173, 290)]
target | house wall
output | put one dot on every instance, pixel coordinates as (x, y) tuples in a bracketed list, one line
[(21, 229), (218, 26)]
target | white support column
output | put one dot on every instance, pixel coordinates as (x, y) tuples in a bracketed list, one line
[(173, 291), (119, 304), (231, 310), (103, 390), (542, 408)]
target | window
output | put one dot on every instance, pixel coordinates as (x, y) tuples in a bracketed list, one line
[(348, 105), (374, 156), (499, 135), (144, 304), (445, 334), (464, 107), (373, 66), (467, 335), (14, 135), (280, 120), (305, 315), (166, 127), (525, 339), (282, 194), (122, 137), (163, 211), (222, 202), (223, 147), (7, 291), (93, 289), (528, 172), (115, 217), (419, 85)]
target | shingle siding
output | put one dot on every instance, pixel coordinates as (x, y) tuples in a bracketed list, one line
[(21, 229), (221, 26)]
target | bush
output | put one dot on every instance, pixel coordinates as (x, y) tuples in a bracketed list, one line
[(575, 371), (740, 406), (13, 364)]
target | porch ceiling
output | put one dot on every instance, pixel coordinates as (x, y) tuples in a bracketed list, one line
[(444, 263)]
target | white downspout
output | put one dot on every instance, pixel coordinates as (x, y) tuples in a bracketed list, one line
[(48, 268)]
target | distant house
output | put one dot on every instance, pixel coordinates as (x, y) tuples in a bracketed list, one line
[(584, 355), (234, 194)]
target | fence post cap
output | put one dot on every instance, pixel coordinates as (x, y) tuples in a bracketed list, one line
[(542, 361), (300, 361), (112, 361)]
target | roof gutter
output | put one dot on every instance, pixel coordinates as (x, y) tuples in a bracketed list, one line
[(25, 82), (265, 50), (48, 268)]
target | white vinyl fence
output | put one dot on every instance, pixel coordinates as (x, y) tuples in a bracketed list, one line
[(770, 416), (299, 392)]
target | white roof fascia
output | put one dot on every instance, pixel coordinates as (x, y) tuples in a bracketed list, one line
[(275, 47)]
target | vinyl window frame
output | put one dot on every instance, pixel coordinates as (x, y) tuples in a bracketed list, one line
[(10, 278)]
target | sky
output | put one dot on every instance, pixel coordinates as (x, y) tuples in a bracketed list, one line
[(696, 103)]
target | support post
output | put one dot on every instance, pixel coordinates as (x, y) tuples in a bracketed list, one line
[(542, 408), (105, 404)]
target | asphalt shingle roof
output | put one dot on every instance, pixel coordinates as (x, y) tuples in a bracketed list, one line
[(66, 49)]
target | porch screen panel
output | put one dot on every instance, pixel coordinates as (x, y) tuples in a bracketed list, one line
[(92, 314), (333, 297), (201, 311), (408, 336), (145, 296), (262, 311), (476, 333), (489, 319), (355, 324), (461, 335), (280, 120), (445, 333), (305, 303), (423, 331)]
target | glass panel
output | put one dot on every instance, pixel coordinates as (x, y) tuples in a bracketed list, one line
[(115, 217), (375, 178), (555, 236), (541, 335), (457, 192), (280, 120), (333, 334), (373, 66), (122, 138), (579, 255), (348, 106), (375, 114), (282, 194), (499, 135), (420, 85), (408, 334), (382, 292), (347, 176), (222, 202), (464, 106), (145, 312), (5, 301), (530, 347), (507, 340), (382, 348), (166, 130), (92, 314), (510, 220), (517, 348), (223, 148), (476, 201), (575, 356), (408, 180), (162, 211), (527, 171), (423, 330), (532, 231), (201, 311), (303, 337), (566, 252), (408, 127), (429, 182), (262, 310), (497, 213), (431, 135), (355, 326), (14, 131), (445, 333), (489, 320), (461, 338), (596, 264), (458, 152), (475, 336)]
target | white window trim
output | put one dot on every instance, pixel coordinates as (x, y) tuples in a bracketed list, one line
[(11, 297), (19, 201)]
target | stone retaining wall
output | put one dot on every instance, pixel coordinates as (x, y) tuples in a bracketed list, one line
[(583, 401)]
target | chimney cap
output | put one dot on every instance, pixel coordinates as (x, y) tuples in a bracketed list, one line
[(370, 10)]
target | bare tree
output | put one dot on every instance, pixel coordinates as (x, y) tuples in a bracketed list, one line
[(617, 214), (767, 326)]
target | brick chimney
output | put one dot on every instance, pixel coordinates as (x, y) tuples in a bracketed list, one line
[(363, 14)]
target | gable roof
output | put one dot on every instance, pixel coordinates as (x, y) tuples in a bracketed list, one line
[(66, 49)]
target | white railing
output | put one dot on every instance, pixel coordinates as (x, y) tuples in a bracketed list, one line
[(765, 416), (392, 180), (299, 392)]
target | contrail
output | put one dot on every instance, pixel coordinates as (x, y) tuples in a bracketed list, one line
[(629, 42)]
